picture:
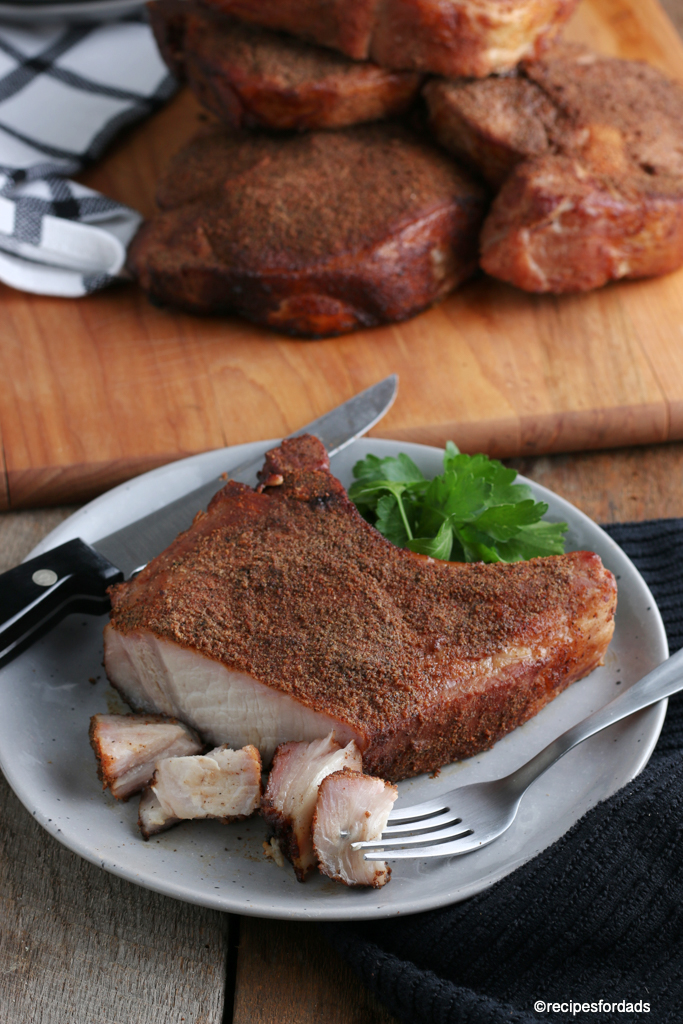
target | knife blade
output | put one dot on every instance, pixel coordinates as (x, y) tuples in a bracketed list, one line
[(74, 577), (134, 545)]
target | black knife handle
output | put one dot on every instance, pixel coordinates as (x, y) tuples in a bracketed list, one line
[(35, 595)]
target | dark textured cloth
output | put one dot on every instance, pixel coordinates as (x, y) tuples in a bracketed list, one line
[(597, 916)]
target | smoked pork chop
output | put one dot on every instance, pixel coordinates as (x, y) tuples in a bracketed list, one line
[(444, 37), (589, 153), (312, 234), (282, 615), (251, 77)]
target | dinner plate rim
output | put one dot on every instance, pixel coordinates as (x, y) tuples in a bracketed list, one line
[(152, 481), (73, 10)]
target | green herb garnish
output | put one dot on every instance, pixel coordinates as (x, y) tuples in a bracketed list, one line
[(472, 512)]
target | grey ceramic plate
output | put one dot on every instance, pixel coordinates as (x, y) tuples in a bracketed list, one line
[(76, 10), (50, 692)]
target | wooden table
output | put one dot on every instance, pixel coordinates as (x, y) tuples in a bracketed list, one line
[(79, 946)]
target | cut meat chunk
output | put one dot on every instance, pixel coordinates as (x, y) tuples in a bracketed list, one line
[(292, 791), (223, 784), (351, 808), (344, 25), (312, 234), (127, 748), (446, 37), (589, 153), (251, 77), (637, 110), (421, 662), (624, 114)]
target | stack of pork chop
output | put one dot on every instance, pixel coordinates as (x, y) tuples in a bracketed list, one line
[(313, 233), (318, 232), (587, 153)]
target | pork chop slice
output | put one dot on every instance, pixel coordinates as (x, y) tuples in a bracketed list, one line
[(588, 154), (251, 77), (127, 748), (446, 37), (313, 234), (351, 807), (292, 791), (564, 224), (421, 662), (223, 784)]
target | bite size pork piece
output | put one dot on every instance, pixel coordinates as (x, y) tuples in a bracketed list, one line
[(292, 792), (444, 37), (312, 234), (127, 748), (251, 77), (223, 784), (351, 807), (281, 614), (587, 152)]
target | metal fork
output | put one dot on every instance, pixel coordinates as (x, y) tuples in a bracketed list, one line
[(468, 818)]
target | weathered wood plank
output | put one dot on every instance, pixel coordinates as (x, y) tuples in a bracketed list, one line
[(632, 29), (674, 9), (286, 974), (80, 946), (615, 486), (21, 531)]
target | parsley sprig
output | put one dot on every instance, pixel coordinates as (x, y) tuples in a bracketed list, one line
[(472, 512)]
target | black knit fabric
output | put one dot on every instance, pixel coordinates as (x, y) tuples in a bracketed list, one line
[(597, 916)]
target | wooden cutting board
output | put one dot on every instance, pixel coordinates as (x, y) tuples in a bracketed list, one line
[(95, 390)]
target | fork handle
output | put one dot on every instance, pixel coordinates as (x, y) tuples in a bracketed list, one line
[(662, 682)]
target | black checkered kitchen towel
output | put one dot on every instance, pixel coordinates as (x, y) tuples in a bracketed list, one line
[(65, 91)]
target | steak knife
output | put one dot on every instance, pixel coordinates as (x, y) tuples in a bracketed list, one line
[(74, 576)]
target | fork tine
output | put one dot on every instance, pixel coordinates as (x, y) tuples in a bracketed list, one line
[(455, 830), (466, 843), (417, 811), (437, 820)]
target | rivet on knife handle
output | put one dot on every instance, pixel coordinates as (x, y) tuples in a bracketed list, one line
[(35, 595)]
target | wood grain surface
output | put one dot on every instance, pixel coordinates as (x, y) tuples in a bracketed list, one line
[(95, 390), (79, 946)]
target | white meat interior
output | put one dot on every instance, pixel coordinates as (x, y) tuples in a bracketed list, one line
[(351, 808), (222, 705), (292, 792), (128, 747), (224, 783)]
